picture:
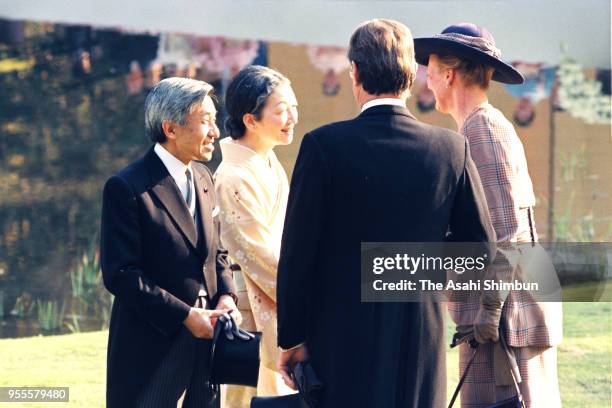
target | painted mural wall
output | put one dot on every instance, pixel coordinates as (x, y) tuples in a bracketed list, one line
[(71, 114), (582, 163)]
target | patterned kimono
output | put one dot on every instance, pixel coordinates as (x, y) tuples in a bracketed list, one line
[(533, 329), (252, 194)]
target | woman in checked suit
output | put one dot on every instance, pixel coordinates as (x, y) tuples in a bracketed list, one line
[(461, 62)]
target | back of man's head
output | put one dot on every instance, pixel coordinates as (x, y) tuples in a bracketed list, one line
[(383, 52)]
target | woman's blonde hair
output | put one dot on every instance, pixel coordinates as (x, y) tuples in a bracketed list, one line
[(473, 73)]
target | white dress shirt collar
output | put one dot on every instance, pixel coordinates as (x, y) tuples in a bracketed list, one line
[(177, 168), (384, 101)]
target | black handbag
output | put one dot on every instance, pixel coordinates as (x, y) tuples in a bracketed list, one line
[(513, 402), (309, 392), (234, 356)]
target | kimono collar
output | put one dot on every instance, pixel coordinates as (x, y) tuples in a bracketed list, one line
[(236, 153)]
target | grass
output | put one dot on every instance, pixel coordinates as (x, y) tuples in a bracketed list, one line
[(584, 359), (585, 356), (78, 361)]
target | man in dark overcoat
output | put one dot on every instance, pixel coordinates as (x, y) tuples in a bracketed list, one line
[(161, 258), (380, 177)]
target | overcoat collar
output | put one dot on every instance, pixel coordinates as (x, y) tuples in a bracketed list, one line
[(386, 110)]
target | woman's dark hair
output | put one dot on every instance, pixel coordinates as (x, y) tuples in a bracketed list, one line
[(248, 93)]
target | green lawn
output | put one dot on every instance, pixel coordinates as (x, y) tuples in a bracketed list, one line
[(78, 361), (584, 360)]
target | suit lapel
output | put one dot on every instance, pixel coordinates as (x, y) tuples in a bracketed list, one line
[(166, 190), (201, 188), (203, 193)]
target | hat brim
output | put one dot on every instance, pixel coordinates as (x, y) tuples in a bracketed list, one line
[(505, 73)]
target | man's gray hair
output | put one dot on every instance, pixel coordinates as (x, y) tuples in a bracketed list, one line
[(172, 100)]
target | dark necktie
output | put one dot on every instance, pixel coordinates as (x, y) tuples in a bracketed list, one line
[(189, 192)]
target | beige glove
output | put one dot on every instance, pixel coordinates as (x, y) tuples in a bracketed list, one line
[(486, 325)]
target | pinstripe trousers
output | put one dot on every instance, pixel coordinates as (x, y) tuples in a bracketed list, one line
[(181, 380)]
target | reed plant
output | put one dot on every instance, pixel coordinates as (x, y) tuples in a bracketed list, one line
[(23, 307), (89, 297), (50, 315)]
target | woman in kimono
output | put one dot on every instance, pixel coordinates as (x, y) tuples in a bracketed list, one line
[(461, 61), (252, 190)]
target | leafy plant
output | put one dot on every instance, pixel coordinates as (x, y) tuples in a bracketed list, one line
[(76, 280), (106, 312), (75, 326), (87, 275), (91, 265), (89, 297), (50, 315), (23, 306)]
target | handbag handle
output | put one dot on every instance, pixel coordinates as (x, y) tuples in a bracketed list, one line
[(513, 367), (228, 327), (463, 377), (530, 215)]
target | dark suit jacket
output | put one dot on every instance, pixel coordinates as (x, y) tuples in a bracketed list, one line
[(381, 177), (154, 264)]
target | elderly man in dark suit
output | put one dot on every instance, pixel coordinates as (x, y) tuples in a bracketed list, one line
[(161, 257), (380, 177)]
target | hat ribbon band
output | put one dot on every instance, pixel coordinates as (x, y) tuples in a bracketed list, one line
[(475, 42)]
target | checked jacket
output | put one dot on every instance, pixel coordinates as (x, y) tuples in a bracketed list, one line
[(500, 160)]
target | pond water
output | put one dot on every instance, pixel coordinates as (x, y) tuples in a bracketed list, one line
[(71, 112)]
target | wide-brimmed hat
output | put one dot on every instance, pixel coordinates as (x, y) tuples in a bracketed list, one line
[(471, 42)]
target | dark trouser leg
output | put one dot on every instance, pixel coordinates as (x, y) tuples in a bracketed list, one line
[(172, 376), (198, 393), (174, 382)]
